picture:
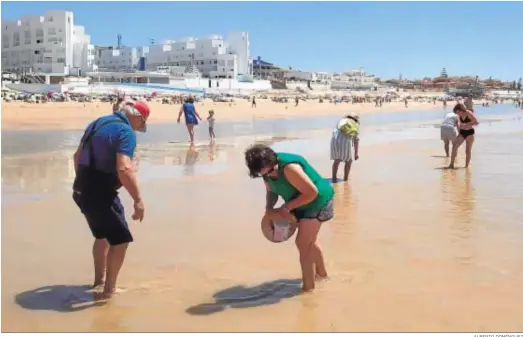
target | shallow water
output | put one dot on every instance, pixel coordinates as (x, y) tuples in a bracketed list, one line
[(413, 247), (16, 142)]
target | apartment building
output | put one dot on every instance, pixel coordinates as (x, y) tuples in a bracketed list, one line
[(48, 43), (214, 56)]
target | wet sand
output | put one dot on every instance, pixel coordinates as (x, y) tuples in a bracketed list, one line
[(413, 247), (74, 115)]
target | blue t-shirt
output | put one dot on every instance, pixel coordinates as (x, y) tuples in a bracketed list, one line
[(188, 110), (110, 139)]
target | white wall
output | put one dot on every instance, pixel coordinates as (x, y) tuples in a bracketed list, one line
[(205, 54), (42, 42), (239, 44), (125, 58), (198, 84), (36, 88), (299, 75)]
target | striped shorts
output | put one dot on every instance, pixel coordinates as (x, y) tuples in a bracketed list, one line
[(341, 147)]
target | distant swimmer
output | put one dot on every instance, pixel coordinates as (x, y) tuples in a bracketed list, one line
[(467, 121), (449, 130), (191, 116), (308, 200)]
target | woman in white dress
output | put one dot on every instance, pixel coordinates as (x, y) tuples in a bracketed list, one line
[(344, 136)]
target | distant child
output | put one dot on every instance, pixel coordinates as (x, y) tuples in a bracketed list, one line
[(211, 120)]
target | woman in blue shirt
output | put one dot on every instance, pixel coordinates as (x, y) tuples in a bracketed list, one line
[(190, 115)]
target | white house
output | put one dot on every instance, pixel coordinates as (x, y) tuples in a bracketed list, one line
[(46, 44), (214, 56), (298, 75), (119, 59), (353, 79)]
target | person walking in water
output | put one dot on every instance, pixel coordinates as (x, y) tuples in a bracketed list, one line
[(191, 116), (103, 163), (344, 136), (467, 121), (449, 130), (211, 119)]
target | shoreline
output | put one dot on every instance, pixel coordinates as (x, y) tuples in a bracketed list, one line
[(75, 116)]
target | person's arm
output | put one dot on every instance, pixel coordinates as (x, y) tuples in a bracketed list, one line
[(124, 165), (356, 142), (196, 113), (76, 157), (306, 188), (472, 123), (180, 113), (271, 198), (78, 152), (473, 119)]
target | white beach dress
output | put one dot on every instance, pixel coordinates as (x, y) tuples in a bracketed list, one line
[(341, 145)]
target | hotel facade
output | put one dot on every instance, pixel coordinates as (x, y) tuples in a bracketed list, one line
[(49, 43)]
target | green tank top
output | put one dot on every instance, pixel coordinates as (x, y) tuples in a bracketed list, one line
[(283, 188)]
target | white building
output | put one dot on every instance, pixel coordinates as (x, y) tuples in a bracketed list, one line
[(353, 79), (46, 44), (214, 56), (120, 59), (297, 75)]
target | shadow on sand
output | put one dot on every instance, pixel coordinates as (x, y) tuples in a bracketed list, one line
[(247, 297), (61, 298), (330, 180), (444, 168)]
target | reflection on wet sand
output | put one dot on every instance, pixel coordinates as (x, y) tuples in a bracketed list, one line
[(52, 172), (459, 196)]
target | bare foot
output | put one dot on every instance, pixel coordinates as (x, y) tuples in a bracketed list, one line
[(305, 290), (98, 287), (320, 278), (451, 166)]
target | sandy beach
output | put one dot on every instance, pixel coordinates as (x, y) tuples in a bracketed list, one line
[(412, 247), (74, 115)]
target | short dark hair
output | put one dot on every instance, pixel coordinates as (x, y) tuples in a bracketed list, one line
[(459, 107), (259, 156), (189, 100)]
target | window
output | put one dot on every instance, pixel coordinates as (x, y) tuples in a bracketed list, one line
[(39, 32), (27, 34), (50, 19), (51, 31), (5, 41), (16, 39), (60, 60)]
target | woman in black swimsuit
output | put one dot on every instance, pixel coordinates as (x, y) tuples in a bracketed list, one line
[(467, 121)]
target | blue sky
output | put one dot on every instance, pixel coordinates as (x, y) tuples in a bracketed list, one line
[(415, 39)]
